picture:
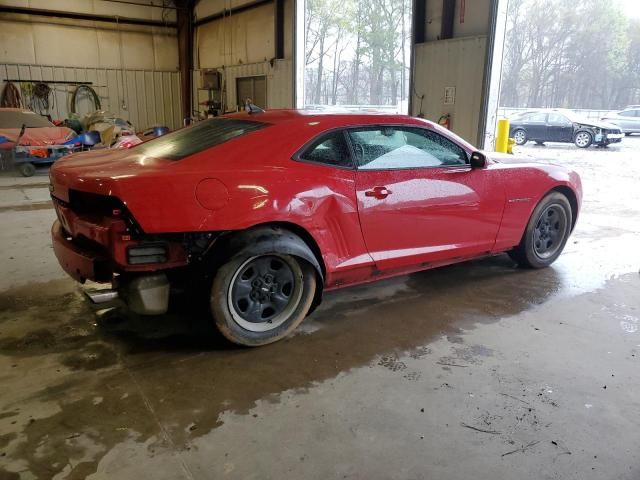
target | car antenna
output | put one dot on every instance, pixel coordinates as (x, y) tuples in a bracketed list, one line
[(20, 135)]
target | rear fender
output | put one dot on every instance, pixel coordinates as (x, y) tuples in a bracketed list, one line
[(268, 239), (272, 239)]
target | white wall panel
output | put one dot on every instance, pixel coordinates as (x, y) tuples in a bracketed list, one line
[(34, 40), (144, 97), (279, 83), (246, 37), (204, 8), (100, 7), (455, 63)]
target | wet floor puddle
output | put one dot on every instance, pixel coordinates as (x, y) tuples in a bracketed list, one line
[(86, 382)]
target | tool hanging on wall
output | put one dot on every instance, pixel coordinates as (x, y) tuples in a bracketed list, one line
[(11, 96), (40, 98), (90, 92)]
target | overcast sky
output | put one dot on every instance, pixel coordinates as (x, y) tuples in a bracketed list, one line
[(631, 7)]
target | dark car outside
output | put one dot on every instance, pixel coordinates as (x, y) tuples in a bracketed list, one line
[(562, 126)]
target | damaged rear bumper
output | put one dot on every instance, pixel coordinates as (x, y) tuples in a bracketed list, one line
[(144, 293), (81, 264)]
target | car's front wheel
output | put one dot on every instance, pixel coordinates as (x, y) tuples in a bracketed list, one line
[(259, 299), (546, 234), (520, 137), (583, 139)]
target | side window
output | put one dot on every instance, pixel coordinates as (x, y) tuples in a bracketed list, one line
[(627, 113), (558, 119), (537, 117), (385, 148), (330, 149)]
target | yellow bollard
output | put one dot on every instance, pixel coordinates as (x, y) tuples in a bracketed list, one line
[(502, 137)]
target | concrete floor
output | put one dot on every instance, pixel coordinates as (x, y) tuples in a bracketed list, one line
[(479, 370)]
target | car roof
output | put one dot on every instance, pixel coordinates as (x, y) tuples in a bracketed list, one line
[(323, 120), (337, 118)]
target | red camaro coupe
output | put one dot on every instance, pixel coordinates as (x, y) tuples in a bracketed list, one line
[(266, 210)]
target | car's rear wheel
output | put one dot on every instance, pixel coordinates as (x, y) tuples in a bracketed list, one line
[(546, 234), (259, 299), (583, 139), (27, 169), (520, 137)]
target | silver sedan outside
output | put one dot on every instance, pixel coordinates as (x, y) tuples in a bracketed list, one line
[(628, 120)]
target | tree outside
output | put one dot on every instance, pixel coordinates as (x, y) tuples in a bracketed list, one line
[(357, 52), (571, 54)]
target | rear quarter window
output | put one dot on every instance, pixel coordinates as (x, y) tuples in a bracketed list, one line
[(206, 134)]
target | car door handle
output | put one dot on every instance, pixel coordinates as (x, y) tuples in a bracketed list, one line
[(378, 192)]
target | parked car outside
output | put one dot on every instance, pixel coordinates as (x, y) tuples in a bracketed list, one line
[(259, 214), (627, 120), (562, 126)]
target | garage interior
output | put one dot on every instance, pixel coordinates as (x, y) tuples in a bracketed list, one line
[(480, 369)]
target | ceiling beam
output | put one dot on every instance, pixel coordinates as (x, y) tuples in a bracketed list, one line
[(227, 12), (86, 16)]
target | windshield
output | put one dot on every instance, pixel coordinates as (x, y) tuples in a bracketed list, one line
[(206, 134), (17, 118), (574, 117)]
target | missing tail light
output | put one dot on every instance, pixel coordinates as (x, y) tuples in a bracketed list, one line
[(147, 253)]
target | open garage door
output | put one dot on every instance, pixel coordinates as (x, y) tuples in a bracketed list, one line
[(575, 72), (356, 54)]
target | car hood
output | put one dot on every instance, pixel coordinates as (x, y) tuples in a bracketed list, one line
[(43, 136), (598, 124), (507, 158), (517, 160)]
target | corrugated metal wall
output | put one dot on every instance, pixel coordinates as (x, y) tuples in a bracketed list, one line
[(279, 83), (458, 63), (144, 97)]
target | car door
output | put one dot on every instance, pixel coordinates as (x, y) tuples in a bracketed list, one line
[(536, 125), (418, 198), (560, 128), (628, 120), (635, 122)]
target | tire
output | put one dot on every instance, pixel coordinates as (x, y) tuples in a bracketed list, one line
[(546, 234), (246, 312), (27, 169), (520, 136), (583, 139)]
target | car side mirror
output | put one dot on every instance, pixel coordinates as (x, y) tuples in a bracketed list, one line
[(478, 160)]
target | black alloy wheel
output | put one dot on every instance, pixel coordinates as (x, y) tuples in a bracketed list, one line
[(549, 231), (263, 292)]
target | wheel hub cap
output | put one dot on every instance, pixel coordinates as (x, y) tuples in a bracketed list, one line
[(549, 232), (264, 291)]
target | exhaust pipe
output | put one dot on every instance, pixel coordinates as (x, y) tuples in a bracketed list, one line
[(98, 297)]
